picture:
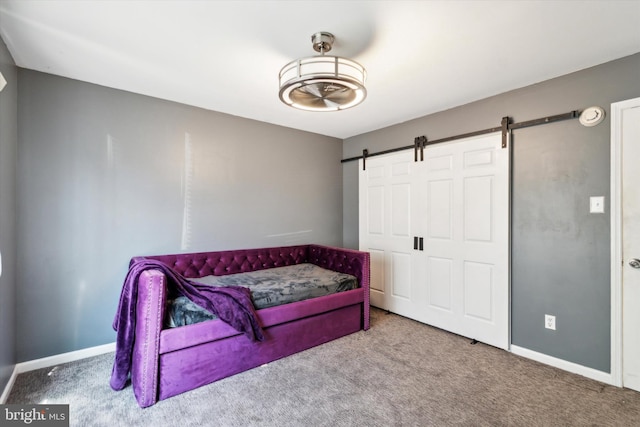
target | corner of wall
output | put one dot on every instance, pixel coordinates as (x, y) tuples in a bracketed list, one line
[(8, 239)]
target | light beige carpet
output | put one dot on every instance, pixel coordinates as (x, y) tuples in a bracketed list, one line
[(399, 373)]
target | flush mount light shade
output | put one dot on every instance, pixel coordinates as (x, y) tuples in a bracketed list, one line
[(322, 83)]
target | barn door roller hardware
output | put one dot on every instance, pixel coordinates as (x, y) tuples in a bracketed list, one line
[(505, 127), (418, 145), (506, 133)]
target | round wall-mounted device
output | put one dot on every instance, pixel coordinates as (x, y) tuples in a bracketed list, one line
[(591, 116)]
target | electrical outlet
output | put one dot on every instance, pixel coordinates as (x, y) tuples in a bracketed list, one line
[(550, 322)]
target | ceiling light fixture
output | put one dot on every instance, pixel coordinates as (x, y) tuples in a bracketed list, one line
[(322, 83)]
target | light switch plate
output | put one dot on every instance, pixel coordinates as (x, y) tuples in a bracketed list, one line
[(596, 204)]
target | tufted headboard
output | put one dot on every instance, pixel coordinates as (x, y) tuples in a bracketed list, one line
[(220, 263), (193, 265)]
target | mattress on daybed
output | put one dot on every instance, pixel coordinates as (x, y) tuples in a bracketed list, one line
[(269, 287)]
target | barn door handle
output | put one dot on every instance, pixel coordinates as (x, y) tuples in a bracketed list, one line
[(418, 243), (635, 263)]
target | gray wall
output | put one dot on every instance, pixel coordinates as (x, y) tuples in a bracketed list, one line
[(104, 175), (560, 252), (8, 148)]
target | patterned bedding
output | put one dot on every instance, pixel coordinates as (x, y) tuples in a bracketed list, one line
[(270, 287)]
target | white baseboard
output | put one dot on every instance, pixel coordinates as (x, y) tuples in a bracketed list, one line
[(594, 374), (57, 359), (8, 387)]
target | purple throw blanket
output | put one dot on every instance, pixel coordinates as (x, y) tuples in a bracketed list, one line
[(232, 304)]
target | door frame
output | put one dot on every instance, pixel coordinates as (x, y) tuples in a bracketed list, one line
[(616, 237)]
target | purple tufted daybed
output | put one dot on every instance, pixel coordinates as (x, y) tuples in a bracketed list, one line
[(165, 361)]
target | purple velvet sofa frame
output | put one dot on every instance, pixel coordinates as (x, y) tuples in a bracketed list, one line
[(167, 362)]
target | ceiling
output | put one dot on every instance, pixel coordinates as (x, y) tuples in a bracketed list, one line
[(421, 56)]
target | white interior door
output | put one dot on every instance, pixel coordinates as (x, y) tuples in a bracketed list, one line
[(385, 227), (630, 150), (465, 222)]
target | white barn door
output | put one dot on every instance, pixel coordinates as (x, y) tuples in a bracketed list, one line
[(456, 202), (385, 227), (465, 223)]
